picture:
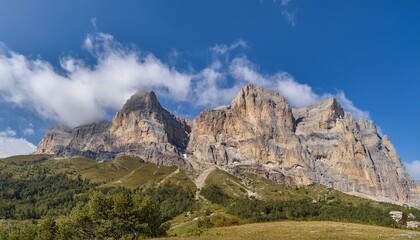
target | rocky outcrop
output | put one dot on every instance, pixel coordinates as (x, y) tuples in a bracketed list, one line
[(56, 137), (257, 133), (143, 119), (142, 128)]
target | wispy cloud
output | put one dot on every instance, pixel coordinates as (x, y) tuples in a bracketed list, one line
[(349, 106), (10, 145), (288, 14), (284, 2), (84, 93), (413, 169), (380, 131), (223, 48), (8, 133), (93, 22), (28, 131), (290, 17)]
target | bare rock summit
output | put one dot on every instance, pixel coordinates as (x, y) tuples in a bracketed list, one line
[(141, 128)]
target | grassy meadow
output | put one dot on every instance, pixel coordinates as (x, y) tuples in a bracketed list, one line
[(302, 230)]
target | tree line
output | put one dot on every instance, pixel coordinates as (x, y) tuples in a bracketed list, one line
[(254, 210)]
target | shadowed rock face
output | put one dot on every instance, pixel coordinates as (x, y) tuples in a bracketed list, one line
[(258, 133)]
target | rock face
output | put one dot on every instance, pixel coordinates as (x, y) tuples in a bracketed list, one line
[(258, 133), (348, 154), (142, 128), (143, 119), (56, 137), (254, 134)]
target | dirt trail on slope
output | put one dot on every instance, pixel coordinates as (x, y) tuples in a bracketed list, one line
[(127, 176), (200, 180), (169, 176)]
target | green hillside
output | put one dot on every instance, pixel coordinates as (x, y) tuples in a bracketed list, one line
[(41, 189), (131, 172)]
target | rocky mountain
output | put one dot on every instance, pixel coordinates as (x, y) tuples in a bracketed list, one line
[(141, 128), (257, 133)]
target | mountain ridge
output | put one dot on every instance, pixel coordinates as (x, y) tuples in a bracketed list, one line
[(259, 132)]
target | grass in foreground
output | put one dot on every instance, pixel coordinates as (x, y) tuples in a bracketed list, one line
[(303, 231)]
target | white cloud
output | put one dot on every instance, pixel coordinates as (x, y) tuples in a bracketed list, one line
[(9, 145), (83, 93), (242, 69), (349, 106), (28, 131), (413, 169), (297, 94), (206, 86)]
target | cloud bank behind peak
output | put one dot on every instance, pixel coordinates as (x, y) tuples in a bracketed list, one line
[(80, 93)]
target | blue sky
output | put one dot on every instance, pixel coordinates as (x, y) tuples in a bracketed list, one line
[(76, 61)]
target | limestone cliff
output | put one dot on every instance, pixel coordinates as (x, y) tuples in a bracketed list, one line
[(260, 133), (348, 154), (257, 133), (143, 119), (142, 128), (57, 136), (254, 134)]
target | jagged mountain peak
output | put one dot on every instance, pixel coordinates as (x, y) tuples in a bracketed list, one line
[(257, 93), (330, 106), (334, 106), (142, 101), (58, 128)]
